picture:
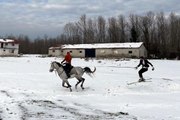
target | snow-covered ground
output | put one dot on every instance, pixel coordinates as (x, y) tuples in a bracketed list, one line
[(28, 91)]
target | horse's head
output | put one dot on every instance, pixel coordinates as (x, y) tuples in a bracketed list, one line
[(54, 65), (51, 67)]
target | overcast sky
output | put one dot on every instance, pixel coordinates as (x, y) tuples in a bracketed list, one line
[(38, 17)]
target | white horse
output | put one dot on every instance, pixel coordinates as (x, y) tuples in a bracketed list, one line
[(76, 72)]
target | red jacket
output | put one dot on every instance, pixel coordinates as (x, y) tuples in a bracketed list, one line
[(67, 58)]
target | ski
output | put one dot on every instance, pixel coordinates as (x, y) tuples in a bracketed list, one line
[(167, 79), (146, 80)]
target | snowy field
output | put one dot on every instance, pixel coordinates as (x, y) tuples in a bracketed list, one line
[(28, 91)]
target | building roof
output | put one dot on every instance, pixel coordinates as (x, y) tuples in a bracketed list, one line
[(7, 40), (54, 48), (103, 45)]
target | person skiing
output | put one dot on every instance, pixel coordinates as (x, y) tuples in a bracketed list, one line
[(67, 62), (145, 64)]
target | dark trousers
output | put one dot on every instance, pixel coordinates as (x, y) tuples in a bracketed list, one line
[(67, 67), (141, 71)]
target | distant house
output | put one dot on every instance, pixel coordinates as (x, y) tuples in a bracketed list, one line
[(105, 50), (54, 51), (9, 47)]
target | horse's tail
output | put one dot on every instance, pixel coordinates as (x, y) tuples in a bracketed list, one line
[(88, 71)]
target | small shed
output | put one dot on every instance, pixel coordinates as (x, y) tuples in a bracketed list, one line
[(105, 50), (54, 51), (9, 47)]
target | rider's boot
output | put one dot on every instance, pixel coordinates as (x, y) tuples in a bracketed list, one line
[(141, 79)]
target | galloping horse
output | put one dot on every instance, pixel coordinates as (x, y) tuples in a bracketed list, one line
[(76, 72)]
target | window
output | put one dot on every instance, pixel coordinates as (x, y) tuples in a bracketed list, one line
[(80, 51), (130, 52), (12, 44), (1, 45), (53, 50), (70, 51), (11, 51), (6, 44)]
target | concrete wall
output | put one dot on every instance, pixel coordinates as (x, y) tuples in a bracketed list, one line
[(125, 52), (117, 52), (109, 52), (79, 53), (54, 53), (142, 51), (9, 52), (10, 45), (9, 49), (106, 52)]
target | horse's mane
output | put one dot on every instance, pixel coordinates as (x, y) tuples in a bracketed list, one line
[(59, 64)]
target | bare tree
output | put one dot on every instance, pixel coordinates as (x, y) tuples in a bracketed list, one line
[(122, 28), (101, 29), (82, 28), (162, 34), (134, 28), (72, 33), (90, 31), (174, 27), (113, 30), (146, 26)]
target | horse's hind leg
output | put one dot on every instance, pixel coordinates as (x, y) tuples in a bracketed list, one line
[(80, 80), (77, 83), (82, 83)]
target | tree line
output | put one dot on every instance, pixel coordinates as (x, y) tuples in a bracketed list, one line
[(160, 33)]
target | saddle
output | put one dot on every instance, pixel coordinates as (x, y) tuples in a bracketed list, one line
[(67, 68)]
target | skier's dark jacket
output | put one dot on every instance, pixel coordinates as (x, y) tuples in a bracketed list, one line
[(145, 63)]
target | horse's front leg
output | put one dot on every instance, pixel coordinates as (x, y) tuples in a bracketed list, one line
[(63, 84), (69, 86)]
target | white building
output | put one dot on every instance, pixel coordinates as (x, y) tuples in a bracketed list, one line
[(9, 47), (54, 51), (105, 50)]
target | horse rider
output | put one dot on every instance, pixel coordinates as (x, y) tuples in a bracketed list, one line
[(145, 64), (67, 61)]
